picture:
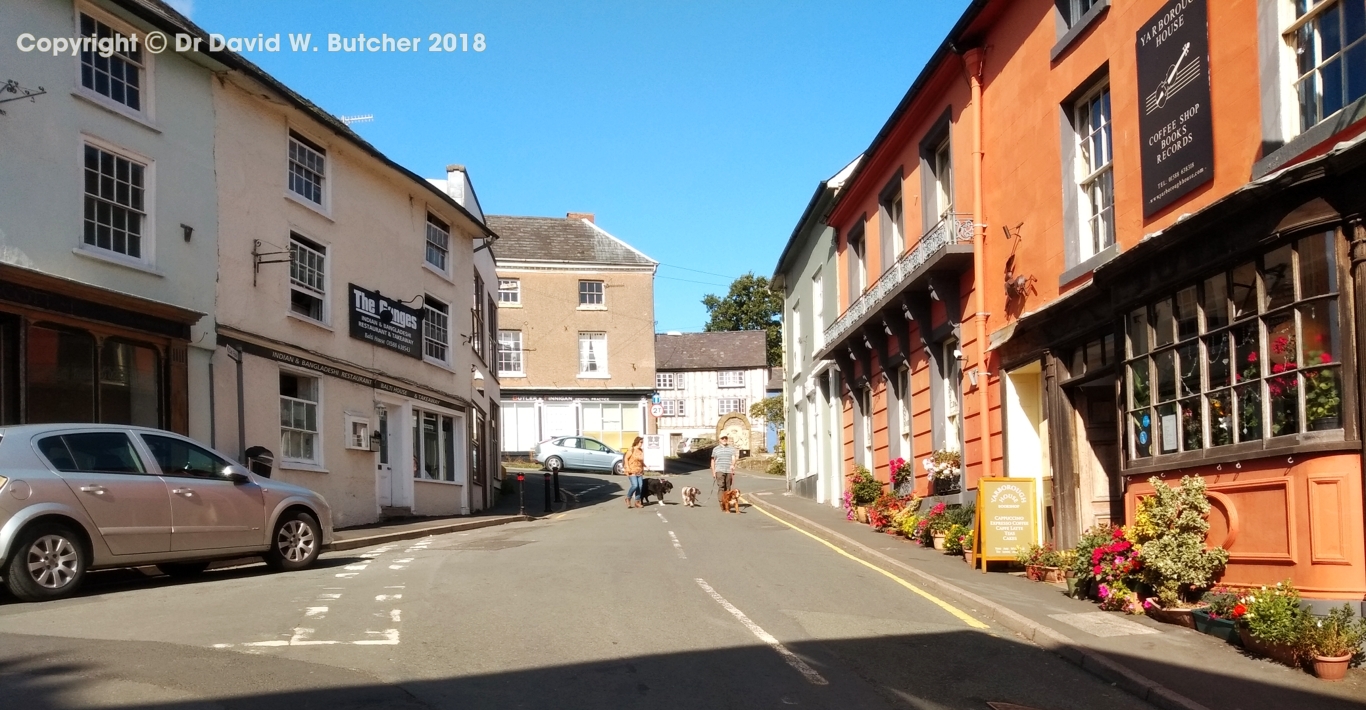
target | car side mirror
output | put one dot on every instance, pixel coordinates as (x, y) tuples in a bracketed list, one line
[(236, 474)]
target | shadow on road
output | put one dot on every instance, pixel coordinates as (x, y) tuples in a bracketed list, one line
[(957, 670)]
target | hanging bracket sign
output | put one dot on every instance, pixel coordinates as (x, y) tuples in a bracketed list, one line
[(1005, 519)]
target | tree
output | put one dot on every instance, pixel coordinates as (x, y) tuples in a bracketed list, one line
[(769, 409), (750, 305)]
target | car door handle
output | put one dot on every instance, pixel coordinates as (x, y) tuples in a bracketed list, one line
[(97, 490), (187, 492)]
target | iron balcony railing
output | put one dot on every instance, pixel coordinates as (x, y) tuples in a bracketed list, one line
[(953, 229)]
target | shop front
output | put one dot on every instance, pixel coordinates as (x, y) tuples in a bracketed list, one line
[(614, 418), (75, 352)]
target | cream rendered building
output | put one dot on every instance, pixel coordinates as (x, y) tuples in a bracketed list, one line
[(576, 328), (355, 312)]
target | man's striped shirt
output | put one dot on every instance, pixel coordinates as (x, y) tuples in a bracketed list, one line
[(724, 456)]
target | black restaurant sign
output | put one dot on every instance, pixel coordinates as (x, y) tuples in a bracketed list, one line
[(1175, 130), (385, 322)]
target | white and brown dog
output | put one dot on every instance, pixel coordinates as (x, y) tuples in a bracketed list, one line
[(690, 494)]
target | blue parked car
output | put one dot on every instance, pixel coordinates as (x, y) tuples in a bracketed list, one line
[(578, 452)]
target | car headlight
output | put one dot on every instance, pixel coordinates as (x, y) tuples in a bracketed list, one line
[(3, 481)]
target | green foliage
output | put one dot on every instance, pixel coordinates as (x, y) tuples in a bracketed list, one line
[(751, 304), (1219, 602), (776, 467), (1340, 634), (1170, 527), (1042, 556), (771, 410), (953, 539), (864, 487), (1274, 615)]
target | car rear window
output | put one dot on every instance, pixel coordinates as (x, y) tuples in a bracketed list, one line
[(95, 452)]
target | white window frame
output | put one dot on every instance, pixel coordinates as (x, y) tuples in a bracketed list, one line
[(357, 432), (1293, 119), (1095, 182), (323, 207), (1075, 10), (599, 353), (148, 241), (505, 349), (513, 293), (730, 378), (673, 407), (666, 380), (317, 432), (818, 310), (601, 294), (727, 405), (146, 113), (943, 179), (325, 307), (865, 395), (903, 409), (795, 344), (436, 331), (438, 241)]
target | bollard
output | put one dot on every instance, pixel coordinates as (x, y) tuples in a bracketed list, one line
[(556, 475), (547, 491), (521, 492)]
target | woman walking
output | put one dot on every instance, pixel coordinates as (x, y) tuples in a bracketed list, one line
[(635, 470)]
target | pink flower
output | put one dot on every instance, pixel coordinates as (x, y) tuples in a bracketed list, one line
[(1252, 357), (1325, 358), (1096, 570), (1104, 591)]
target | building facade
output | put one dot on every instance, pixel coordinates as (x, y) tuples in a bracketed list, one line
[(108, 223), (574, 316), (705, 380), (806, 277), (1139, 256), (352, 302)]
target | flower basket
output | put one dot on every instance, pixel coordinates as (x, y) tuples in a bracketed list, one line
[(939, 541), (1043, 573), (1278, 652), (1331, 667), (1176, 617), (1226, 629), (861, 514)]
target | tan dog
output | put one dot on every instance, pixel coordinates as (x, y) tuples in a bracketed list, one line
[(730, 501)]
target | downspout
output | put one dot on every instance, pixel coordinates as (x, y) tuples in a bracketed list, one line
[(973, 59)]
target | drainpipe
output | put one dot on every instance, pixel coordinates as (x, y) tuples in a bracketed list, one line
[(236, 354), (973, 60)]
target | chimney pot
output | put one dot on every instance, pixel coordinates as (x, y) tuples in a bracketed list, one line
[(580, 215), (455, 168)]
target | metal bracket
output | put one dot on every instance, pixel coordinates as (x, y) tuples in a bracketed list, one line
[(11, 86), (259, 257)]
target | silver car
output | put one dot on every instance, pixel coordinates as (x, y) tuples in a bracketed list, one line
[(79, 497), (578, 452)]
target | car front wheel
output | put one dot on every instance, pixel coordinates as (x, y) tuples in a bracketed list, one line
[(296, 542), (48, 563)]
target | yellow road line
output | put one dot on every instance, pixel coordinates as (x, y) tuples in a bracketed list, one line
[(962, 615)]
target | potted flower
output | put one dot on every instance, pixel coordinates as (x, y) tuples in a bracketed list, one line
[(1042, 563), (864, 490), (1216, 616), (1170, 527), (1334, 643), (937, 524), (1322, 400), (900, 474), (1115, 567), (943, 467), (1272, 622), (969, 544), (953, 539), (1094, 537)]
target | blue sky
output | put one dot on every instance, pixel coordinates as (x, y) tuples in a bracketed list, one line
[(695, 131)]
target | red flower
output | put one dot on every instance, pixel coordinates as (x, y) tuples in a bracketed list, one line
[(1252, 356), (1325, 358), (1238, 611)]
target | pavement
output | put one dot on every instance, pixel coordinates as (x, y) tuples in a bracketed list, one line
[(1170, 666), (595, 606)]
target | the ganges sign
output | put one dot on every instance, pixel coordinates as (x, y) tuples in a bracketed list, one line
[(1005, 518), (385, 322), (1175, 128)]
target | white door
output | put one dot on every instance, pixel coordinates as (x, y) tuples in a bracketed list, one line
[(384, 471)]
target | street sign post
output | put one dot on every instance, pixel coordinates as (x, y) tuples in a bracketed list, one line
[(654, 452), (656, 410)]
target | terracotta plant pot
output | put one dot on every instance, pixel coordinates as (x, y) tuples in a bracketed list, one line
[(1176, 617), (1034, 573), (1331, 667), (1278, 652), (861, 514), (970, 557), (939, 542), (1053, 575)]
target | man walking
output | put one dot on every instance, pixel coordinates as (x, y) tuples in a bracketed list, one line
[(723, 468)]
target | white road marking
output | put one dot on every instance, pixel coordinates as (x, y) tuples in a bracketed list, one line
[(405, 560), (677, 545), (396, 586), (390, 638), (395, 615), (356, 568), (347, 575), (791, 658), (315, 611), (387, 597), (300, 638), (398, 566), (661, 516), (329, 596)]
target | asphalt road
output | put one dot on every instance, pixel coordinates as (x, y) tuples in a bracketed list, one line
[(600, 607)]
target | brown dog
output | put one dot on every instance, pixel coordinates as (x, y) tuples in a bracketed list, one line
[(730, 501)]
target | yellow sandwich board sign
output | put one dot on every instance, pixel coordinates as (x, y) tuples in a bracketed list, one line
[(1005, 519)]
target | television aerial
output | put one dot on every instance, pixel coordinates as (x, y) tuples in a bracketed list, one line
[(362, 118)]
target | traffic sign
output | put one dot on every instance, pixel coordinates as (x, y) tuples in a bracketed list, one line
[(654, 398), (656, 410)]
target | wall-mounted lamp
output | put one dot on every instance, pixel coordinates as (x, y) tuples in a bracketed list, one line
[(972, 376), (187, 230)]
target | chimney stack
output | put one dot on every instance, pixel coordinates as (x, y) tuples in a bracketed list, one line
[(580, 215)]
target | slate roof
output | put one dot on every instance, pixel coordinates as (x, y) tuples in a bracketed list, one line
[(776, 376), (560, 239), (734, 349)]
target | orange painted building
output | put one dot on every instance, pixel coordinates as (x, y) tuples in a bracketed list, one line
[(1097, 244)]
